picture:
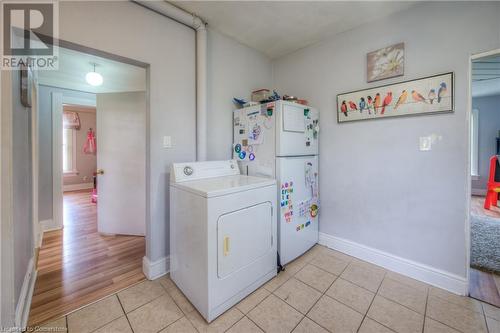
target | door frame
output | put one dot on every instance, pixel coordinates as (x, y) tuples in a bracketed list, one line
[(147, 68), (35, 159), (468, 187), (57, 176), (58, 100), (7, 299)]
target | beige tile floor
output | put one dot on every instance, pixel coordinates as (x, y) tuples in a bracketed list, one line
[(322, 291)]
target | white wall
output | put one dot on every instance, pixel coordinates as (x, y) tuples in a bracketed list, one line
[(377, 189), (489, 125), (16, 190), (21, 186), (129, 30), (234, 70)]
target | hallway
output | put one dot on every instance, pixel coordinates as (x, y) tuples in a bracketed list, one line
[(77, 265)]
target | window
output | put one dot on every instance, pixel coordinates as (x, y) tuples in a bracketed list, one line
[(69, 151), (474, 144)]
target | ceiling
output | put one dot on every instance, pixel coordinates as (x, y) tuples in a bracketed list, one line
[(74, 65), (277, 28), (486, 76)]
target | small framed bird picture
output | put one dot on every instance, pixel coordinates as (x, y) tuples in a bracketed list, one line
[(432, 94)]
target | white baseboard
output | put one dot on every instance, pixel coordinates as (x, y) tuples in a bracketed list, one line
[(78, 187), (49, 225), (478, 191), (436, 277), (155, 269), (24, 301), (46, 225)]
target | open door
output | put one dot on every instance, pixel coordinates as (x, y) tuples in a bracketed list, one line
[(121, 163)]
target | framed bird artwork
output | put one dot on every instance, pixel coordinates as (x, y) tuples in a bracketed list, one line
[(432, 94)]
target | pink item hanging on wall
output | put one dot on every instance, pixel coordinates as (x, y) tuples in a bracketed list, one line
[(90, 146)]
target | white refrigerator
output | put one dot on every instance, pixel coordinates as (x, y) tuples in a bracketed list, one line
[(280, 140)]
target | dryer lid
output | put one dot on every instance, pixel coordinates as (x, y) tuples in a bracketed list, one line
[(218, 186)]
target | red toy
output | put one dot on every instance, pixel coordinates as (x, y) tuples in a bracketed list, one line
[(493, 187)]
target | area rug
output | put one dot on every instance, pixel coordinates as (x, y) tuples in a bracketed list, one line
[(485, 243)]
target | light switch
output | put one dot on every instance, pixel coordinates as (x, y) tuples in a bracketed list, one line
[(167, 142), (425, 143)]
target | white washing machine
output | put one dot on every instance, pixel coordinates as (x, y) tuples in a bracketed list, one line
[(222, 233)]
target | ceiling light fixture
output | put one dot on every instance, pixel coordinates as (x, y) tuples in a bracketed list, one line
[(93, 78)]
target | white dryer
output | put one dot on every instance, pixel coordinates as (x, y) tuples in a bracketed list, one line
[(222, 233)]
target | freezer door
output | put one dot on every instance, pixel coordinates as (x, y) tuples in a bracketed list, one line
[(297, 129), (254, 140), (298, 199)]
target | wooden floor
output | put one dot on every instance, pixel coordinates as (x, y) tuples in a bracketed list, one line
[(484, 286), (77, 265)]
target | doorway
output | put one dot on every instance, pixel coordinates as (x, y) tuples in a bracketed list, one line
[(484, 273), (92, 202)]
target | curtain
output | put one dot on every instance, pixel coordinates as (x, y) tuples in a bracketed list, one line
[(71, 120)]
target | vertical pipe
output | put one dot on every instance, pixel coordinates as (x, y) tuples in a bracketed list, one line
[(201, 93)]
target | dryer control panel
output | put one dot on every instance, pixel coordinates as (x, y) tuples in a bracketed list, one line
[(180, 172)]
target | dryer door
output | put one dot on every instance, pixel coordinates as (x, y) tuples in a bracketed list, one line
[(243, 237)]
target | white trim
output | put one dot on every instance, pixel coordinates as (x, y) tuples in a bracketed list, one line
[(154, 270), (77, 187), (7, 299), (474, 144), (49, 225), (2, 270), (24, 302), (433, 276), (1, 201), (74, 149), (57, 173), (44, 226), (475, 177), (478, 191), (35, 159), (71, 173)]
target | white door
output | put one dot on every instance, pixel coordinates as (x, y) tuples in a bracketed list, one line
[(121, 155), (254, 140), (299, 205), (243, 237), (297, 130)]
